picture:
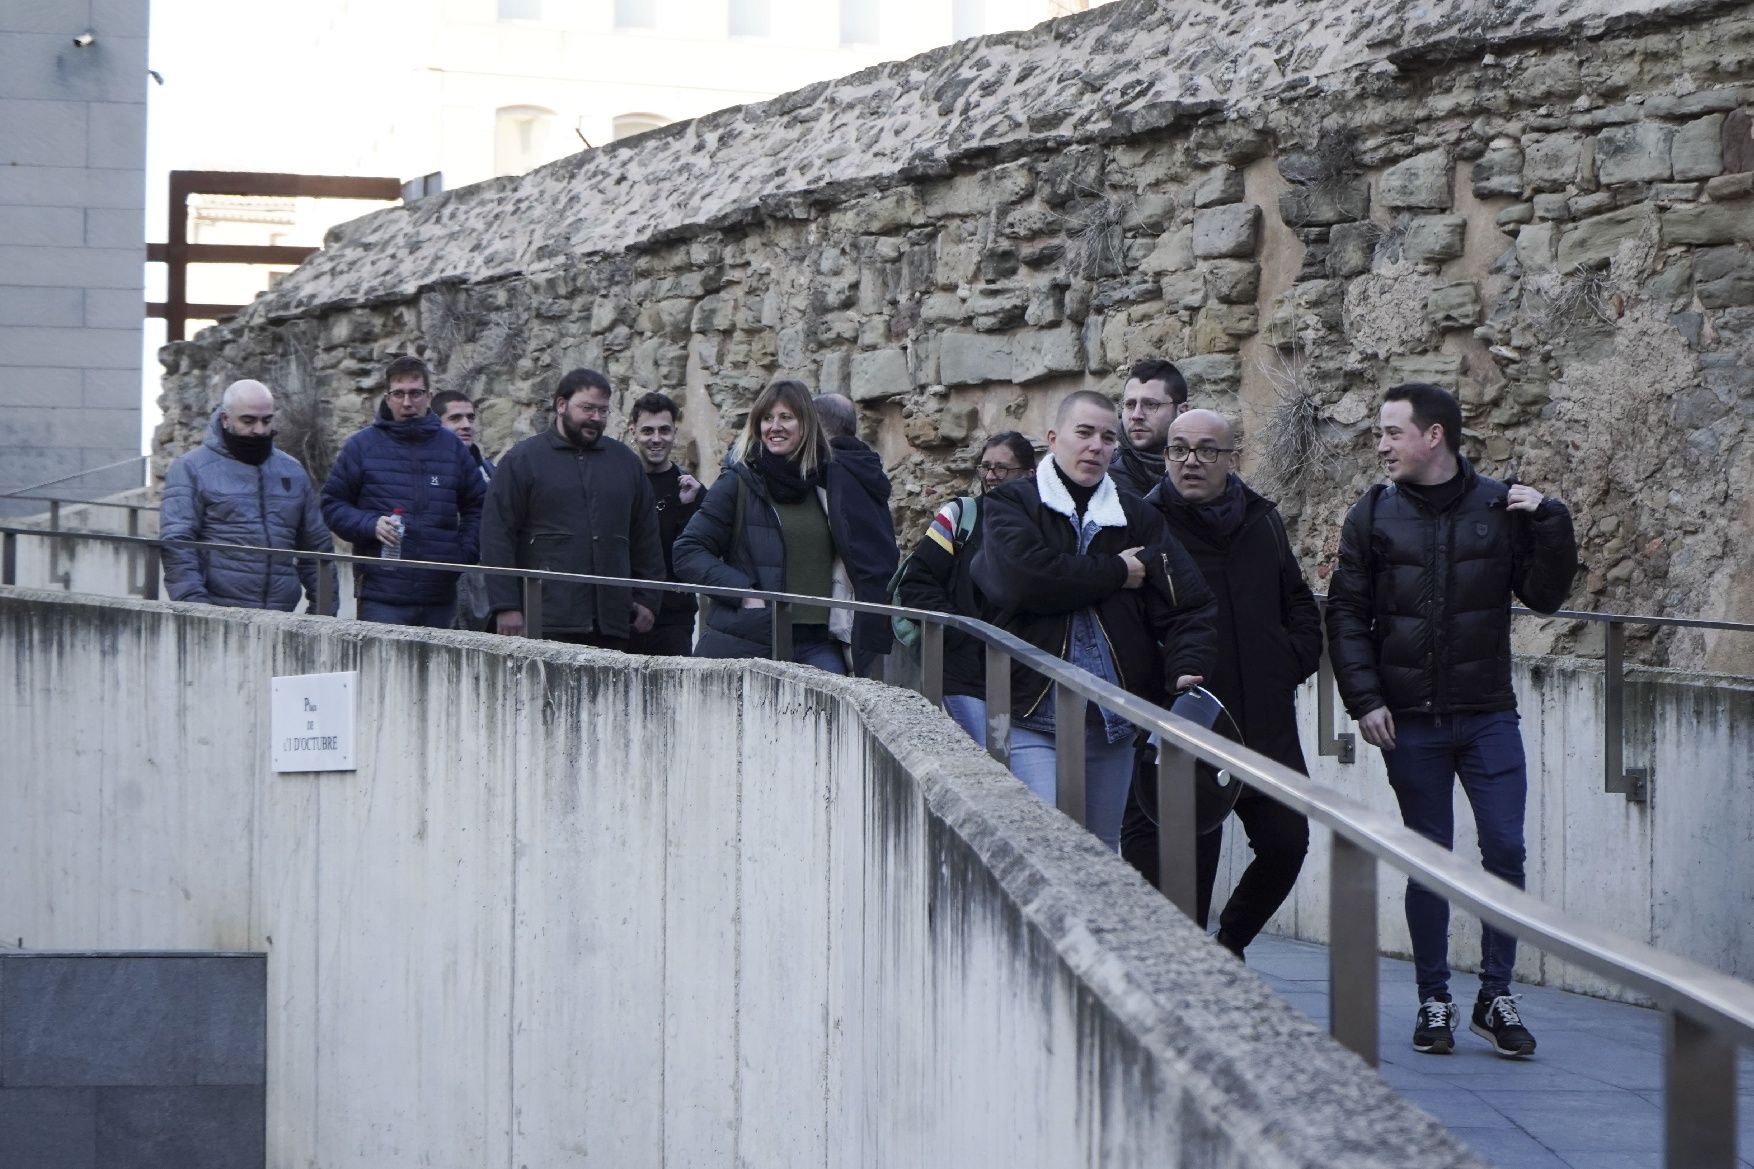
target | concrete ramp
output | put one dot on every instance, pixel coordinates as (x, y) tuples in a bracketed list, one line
[(580, 909)]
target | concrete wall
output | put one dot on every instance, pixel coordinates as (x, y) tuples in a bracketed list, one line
[(579, 910), (72, 241)]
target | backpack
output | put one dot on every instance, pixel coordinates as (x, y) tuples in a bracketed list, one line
[(906, 629)]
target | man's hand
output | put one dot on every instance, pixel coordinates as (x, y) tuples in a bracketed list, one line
[(1378, 728), (1135, 567), (754, 603), (509, 622), (688, 487), (386, 532), (1523, 498), (642, 618), (1188, 682)]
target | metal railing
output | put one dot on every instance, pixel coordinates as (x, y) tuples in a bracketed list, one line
[(1708, 1015)]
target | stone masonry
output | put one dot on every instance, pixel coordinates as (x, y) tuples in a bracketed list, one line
[(1545, 205)]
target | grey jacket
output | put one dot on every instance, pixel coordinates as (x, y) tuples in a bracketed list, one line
[(209, 495)]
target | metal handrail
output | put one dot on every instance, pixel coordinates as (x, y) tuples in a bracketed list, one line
[(62, 499), (1708, 1013)]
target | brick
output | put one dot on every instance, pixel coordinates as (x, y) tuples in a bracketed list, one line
[(80, 348), (59, 307)]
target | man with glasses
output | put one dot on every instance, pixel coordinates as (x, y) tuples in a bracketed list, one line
[(1269, 640), (1155, 393), (571, 499), (406, 487), (456, 413)]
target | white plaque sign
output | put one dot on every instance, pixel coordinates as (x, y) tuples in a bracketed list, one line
[(311, 722)]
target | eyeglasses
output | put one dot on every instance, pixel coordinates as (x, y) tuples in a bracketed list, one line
[(407, 395), (1146, 406), (1206, 454), (591, 411), (990, 469)]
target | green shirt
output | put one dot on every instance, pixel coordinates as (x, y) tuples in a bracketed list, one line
[(809, 555)]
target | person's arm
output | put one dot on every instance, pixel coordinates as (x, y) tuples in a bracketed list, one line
[(1180, 606), (472, 493), (1546, 560), (1298, 608), (313, 536), (1350, 617), (341, 510), (1016, 568), (701, 553), (645, 546), (180, 518), (500, 529)]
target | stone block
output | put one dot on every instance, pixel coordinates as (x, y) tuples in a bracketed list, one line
[(1498, 172), (1440, 369), (62, 308), (1594, 240), (1220, 186), (713, 314), (1594, 203), (1697, 151), (1724, 277), (1726, 188), (182, 1128), (1046, 306), (1550, 161), (1637, 152), (1211, 377), (1432, 239), (1220, 328), (1328, 203), (1675, 192), (1454, 306), (1551, 206), (1421, 181), (1738, 141), (1150, 212), (1232, 230), (1185, 290), (968, 359), (1709, 223), (1233, 281), (1174, 253), (944, 308), (831, 376), (996, 308), (49, 1128), (879, 374), (1351, 247), (1040, 353), (1514, 215)]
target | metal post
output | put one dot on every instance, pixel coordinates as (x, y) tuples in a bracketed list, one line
[(149, 582), (133, 520), (1177, 829), (1352, 985), (1341, 745), (532, 607), (1699, 1097), (932, 662), (54, 515), (325, 589), (1069, 708), (9, 559), (782, 631), (1617, 778), (135, 560), (999, 704)]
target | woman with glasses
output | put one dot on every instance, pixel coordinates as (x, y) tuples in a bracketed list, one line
[(790, 516), (936, 577)]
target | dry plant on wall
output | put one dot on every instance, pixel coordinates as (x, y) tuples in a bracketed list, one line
[(1293, 445), (1326, 168), (1095, 241), (468, 342), (300, 428)]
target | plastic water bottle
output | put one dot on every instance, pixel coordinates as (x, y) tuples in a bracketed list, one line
[(394, 551)]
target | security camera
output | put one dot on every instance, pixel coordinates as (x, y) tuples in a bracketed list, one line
[(84, 39)]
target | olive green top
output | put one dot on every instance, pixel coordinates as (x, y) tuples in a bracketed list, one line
[(809, 555)]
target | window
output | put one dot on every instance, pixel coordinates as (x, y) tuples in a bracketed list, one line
[(520, 9), (627, 125), (858, 22), (521, 139), (636, 13), (968, 18), (748, 18)]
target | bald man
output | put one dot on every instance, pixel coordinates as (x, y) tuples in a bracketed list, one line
[(1269, 640), (235, 488)]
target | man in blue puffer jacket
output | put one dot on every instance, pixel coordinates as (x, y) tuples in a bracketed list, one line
[(406, 462), (235, 488)]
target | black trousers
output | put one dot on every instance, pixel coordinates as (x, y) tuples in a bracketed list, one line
[(1278, 836), (670, 641)]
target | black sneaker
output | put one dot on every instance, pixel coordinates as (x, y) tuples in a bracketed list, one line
[(1434, 1027), (1497, 1021)]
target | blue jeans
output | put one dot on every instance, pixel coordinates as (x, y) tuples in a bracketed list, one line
[(1486, 752), (824, 655), (970, 714), (425, 616), (1108, 775)]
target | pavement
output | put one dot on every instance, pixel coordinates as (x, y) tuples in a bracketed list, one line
[(1590, 1098)]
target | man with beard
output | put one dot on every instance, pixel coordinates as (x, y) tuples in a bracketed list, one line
[(406, 483), (1269, 640), (235, 488), (572, 500), (1155, 393), (653, 430)]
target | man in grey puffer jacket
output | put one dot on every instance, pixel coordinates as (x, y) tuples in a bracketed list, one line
[(235, 488)]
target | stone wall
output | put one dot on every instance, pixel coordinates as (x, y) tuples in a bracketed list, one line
[(1545, 206)]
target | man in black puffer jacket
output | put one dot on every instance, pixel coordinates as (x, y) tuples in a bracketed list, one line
[(1419, 633), (406, 462)]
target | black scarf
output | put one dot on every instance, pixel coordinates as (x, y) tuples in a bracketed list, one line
[(253, 449), (1219, 520), (785, 483), (1150, 464)]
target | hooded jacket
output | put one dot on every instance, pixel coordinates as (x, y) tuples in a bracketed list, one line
[(1419, 605), (425, 470), (1031, 572), (210, 495)]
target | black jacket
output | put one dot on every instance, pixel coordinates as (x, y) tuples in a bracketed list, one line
[(1419, 605), (673, 516), (937, 577), (562, 508), (1032, 573), (711, 551), (1268, 626), (1135, 474)]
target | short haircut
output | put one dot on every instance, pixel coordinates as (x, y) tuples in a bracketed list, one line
[(444, 398), (408, 366), (228, 402), (1432, 406), (1083, 398), (840, 418), (654, 403), (1155, 369), (1020, 447), (795, 395), (575, 380)]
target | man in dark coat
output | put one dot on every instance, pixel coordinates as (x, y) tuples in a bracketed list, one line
[(572, 499), (1154, 395), (1419, 634), (871, 554), (406, 465), (456, 413), (676, 494), (1269, 641)]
